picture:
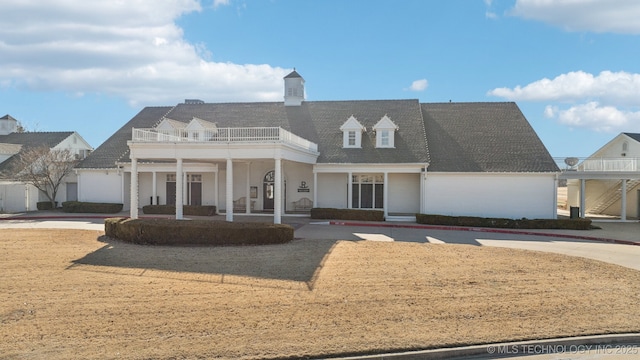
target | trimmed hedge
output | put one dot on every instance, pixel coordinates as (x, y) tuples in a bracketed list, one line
[(91, 207), (45, 205), (471, 221), (347, 214), (196, 232), (194, 210)]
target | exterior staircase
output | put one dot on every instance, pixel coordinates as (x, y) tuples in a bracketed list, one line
[(610, 196)]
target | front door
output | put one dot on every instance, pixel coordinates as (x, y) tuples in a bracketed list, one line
[(194, 189), (72, 191), (171, 192), (268, 191), (195, 193)]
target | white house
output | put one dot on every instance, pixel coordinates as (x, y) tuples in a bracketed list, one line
[(16, 196), (400, 156), (608, 182)]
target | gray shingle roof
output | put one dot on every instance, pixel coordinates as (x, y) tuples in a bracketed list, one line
[(467, 137), (483, 137), (115, 147), (28, 140), (634, 136)]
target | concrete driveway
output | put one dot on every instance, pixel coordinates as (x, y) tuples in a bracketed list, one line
[(568, 242)]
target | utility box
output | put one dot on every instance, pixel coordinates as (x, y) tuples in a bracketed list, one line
[(574, 212)]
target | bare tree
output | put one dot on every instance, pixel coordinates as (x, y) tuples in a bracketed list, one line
[(45, 169)]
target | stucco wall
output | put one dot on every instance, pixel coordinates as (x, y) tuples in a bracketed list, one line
[(404, 193), (100, 186), (491, 195), (332, 191)]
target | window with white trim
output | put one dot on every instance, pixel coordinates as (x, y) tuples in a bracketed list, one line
[(367, 191), (352, 133), (352, 138), (385, 132)]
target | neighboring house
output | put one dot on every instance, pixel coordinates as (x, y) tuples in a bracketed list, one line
[(16, 196), (399, 156), (608, 181)]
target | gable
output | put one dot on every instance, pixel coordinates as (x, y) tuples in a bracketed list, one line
[(385, 124), (25, 141), (199, 124), (623, 145), (170, 124), (352, 124)]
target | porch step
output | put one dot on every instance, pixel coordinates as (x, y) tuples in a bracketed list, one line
[(401, 218)]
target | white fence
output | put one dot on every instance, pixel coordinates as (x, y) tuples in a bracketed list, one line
[(224, 135)]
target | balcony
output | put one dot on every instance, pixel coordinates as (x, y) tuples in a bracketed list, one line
[(247, 135), (622, 164)]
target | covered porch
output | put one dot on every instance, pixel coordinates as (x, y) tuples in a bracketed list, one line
[(598, 185), (232, 159)]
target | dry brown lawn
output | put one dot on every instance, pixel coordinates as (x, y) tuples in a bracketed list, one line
[(72, 294)]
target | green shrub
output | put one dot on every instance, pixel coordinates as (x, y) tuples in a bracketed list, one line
[(347, 214), (194, 210), (471, 221), (45, 205), (196, 232), (91, 207)]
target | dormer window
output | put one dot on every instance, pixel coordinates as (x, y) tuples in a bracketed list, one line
[(385, 132), (352, 133), (352, 138)]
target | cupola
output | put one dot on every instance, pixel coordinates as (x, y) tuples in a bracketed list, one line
[(8, 125), (293, 89)]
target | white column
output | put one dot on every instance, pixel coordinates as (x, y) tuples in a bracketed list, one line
[(154, 190), (583, 197), (623, 202), (277, 196), (385, 195), (349, 190), (122, 186), (133, 212), (216, 191), (185, 182), (229, 202), (248, 192), (179, 190), (315, 189)]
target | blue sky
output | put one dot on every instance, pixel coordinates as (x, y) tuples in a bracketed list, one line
[(573, 66)]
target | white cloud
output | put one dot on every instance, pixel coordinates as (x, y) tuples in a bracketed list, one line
[(617, 16), (129, 49), (614, 88), (606, 102), (419, 85), (593, 116), (491, 15), (217, 3)]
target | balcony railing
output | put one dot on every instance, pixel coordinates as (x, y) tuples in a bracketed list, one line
[(224, 135), (599, 164)]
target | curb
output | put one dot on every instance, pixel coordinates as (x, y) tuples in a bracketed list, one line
[(613, 344), (486, 230)]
